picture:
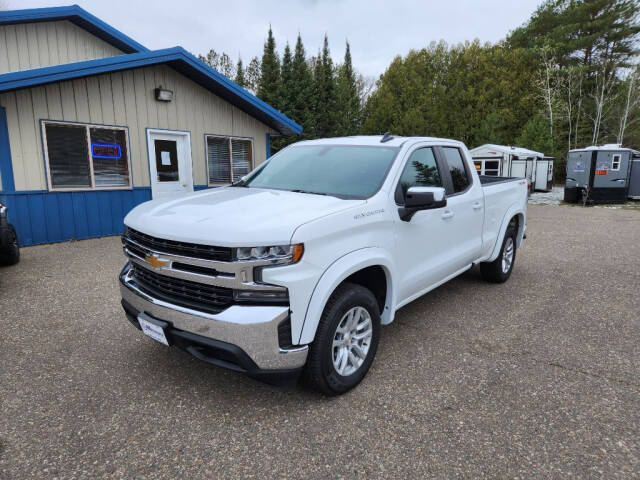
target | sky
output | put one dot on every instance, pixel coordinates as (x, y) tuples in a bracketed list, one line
[(377, 30)]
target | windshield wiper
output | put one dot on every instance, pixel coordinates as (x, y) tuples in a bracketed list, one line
[(308, 191)]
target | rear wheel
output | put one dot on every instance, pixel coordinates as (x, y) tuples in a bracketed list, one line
[(346, 340), (500, 269), (10, 255)]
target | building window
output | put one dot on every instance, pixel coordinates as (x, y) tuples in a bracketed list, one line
[(86, 157), (228, 159), (615, 162)]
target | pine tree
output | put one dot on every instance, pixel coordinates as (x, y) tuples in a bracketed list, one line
[(252, 74), (535, 135), (240, 79), (270, 81), (225, 66), (212, 58), (324, 101), (347, 98), (301, 89), (583, 31), (286, 96), (491, 130)]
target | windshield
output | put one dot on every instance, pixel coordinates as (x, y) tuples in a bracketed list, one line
[(344, 171)]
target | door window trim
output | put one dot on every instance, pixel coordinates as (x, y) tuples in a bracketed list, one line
[(404, 165), (447, 176)]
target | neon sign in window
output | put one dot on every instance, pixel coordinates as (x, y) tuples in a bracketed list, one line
[(106, 150)]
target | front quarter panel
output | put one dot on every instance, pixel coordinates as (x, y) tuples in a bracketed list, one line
[(329, 242), (336, 274)]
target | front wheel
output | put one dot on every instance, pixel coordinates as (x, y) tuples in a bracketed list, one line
[(346, 340), (500, 269)]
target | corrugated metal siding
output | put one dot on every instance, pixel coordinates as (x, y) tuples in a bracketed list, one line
[(34, 45), (46, 217), (125, 99)]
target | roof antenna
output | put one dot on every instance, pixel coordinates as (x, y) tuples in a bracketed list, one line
[(386, 137)]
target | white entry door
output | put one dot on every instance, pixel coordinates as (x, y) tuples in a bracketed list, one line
[(542, 174), (170, 164)]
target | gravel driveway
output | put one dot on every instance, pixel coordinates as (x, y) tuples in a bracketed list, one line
[(539, 377)]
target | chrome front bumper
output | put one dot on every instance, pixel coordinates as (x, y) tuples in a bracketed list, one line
[(254, 329)]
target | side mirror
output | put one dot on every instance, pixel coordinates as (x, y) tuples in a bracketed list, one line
[(422, 198)]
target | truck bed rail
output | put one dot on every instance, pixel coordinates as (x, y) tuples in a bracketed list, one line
[(491, 180)]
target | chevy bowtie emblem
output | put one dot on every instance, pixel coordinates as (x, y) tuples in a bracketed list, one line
[(155, 261)]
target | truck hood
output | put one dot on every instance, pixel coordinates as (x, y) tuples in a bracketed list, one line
[(233, 216)]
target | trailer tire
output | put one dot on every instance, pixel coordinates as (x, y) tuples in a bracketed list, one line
[(500, 269), (11, 254), (321, 371)]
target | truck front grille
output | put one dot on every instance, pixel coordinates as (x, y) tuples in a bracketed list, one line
[(197, 296), (172, 247)]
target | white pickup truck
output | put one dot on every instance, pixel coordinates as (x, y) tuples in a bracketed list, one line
[(296, 267)]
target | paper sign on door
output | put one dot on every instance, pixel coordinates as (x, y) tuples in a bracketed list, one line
[(166, 158)]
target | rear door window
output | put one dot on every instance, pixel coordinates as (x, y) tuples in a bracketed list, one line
[(457, 169), (421, 170)]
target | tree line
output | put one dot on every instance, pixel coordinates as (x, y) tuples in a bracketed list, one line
[(327, 99), (569, 77)]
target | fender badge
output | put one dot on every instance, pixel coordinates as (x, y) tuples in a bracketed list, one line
[(155, 261)]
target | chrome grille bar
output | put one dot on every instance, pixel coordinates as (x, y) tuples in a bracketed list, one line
[(235, 275)]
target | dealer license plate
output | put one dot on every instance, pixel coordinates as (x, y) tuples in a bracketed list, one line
[(152, 330)]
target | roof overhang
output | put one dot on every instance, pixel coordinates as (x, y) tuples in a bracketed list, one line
[(78, 16), (178, 59), (605, 148), (507, 149)]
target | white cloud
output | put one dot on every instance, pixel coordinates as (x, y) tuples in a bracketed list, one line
[(377, 30)]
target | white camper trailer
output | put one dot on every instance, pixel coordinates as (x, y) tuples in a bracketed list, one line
[(507, 161)]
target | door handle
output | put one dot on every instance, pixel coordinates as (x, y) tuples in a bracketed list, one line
[(477, 206), (447, 214)]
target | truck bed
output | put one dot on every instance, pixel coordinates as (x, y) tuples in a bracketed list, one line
[(491, 180), (500, 194)]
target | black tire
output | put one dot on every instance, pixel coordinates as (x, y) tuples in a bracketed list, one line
[(493, 271), (320, 371), (10, 255)]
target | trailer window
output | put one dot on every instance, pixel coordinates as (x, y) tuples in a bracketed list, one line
[(491, 167), (615, 162)]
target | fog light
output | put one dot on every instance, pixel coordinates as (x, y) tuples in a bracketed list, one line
[(261, 295)]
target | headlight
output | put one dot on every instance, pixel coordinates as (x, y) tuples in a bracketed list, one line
[(277, 252)]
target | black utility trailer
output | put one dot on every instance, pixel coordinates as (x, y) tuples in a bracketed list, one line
[(601, 174)]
